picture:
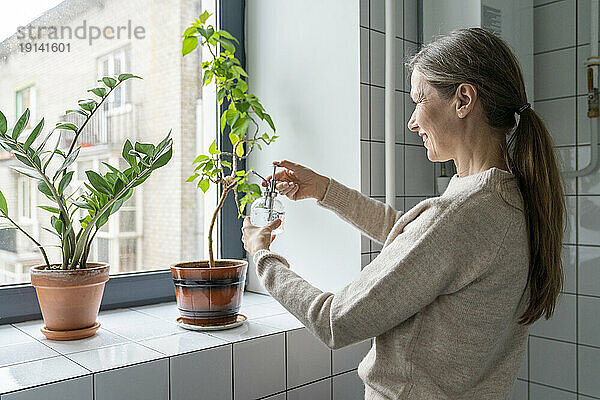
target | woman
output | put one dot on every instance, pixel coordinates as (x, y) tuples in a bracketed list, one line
[(460, 277)]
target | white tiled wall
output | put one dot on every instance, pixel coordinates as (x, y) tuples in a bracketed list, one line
[(564, 352), (414, 172)]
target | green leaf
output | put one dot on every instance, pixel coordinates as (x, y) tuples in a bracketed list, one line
[(270, 121), (3, 205), (80, 112), (162, 160), (124, 77), (201, 157), (21, 124), (189, 31), (204, 184), (53, 210), (127, 147), (239, 70), (145, 148), (64, 182), (203, 17), (34, 134), (116, 172), (240, 126), (30, 172), (67, 126), (68, 161), (110, 82), (226, 163), (213, 147), (234, 138), (192, 178), (189, 44), (88, 105), (240, 150), (223, 121), (240, 173), (207, 78), (99, 183), (99, 91), (3, 125), (42, 187), (227, 35), (226, 44)]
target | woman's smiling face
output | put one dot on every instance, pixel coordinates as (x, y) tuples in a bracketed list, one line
[(434, 119)]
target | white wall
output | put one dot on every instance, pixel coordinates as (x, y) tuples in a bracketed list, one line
[(303, 62)]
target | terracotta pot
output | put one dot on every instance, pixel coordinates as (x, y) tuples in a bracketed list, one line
[(209, 296), (70, 299)]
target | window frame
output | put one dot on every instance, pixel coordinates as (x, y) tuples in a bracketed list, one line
[(18, 302)]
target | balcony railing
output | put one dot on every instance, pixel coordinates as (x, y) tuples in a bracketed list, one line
[(106, 127)]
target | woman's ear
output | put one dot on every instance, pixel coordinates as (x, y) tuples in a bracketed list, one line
[(466, 94)]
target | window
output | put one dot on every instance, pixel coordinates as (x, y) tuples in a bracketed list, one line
[(164, 222)]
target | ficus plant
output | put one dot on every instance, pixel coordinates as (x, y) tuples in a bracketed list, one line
[(105, 193), (240, 119)]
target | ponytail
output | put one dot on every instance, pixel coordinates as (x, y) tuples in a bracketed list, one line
[(535, 166)]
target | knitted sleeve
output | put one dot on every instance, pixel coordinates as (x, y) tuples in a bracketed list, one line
[(374, 218)]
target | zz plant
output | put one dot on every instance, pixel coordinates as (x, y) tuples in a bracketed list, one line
[(220, 167), (105, 193)]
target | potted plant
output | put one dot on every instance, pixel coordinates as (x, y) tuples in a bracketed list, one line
[(69, 293), (209, 292)]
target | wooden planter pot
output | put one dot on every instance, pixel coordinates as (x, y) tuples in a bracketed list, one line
[(209, 296), (70, 299)]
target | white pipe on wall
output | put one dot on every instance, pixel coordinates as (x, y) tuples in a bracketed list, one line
[(593, 165), (390, 102)]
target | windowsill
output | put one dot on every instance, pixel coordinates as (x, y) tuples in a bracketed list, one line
[(126, 337)]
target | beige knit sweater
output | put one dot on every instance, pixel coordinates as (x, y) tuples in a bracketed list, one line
[(442, 299)]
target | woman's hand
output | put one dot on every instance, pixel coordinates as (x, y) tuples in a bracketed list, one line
[(298, 182), (256, 238)]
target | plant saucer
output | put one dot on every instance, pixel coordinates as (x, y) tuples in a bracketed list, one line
[(239, 321), (70, 335)]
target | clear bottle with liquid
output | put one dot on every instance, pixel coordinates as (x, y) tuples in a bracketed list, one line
[(261, 213)]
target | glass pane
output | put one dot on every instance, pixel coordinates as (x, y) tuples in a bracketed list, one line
[(151, 107)]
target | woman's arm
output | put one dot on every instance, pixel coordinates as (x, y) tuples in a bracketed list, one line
[(374, 218)]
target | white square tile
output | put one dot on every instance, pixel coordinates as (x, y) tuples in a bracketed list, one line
[(589, 270), (262, 310), (519, 391), (410, 137), (552, 363), (569, 260), (377, 57), (587, 217), (589, 370), (566, 158), (208, 372), (23, 352), (365, 259), (399, 204), (376, 246), (248, 330), (562, 324), (589, 321), (547, 393), (182, 343), (400, 18), (279, 396), (348, 386), (400, 125), (102, 338), (410, 49), (365, 168), (588, 184), (554, 26), (78, 388), (9, 335), (554, 74), (410, 20), (349, 357), (166, 311), (399, 170), (399, 64), (418, 172), (364, 55), (377, 169), (571, 210), (259, 367), (308, 359), (377, 15), (256, 298), (559, 116), (320, 390), (47, 370), (147, 381), (364, 13), (135, 325), (410, 202), (377, 113), (365, 113), (282, 321), (114, 356)]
